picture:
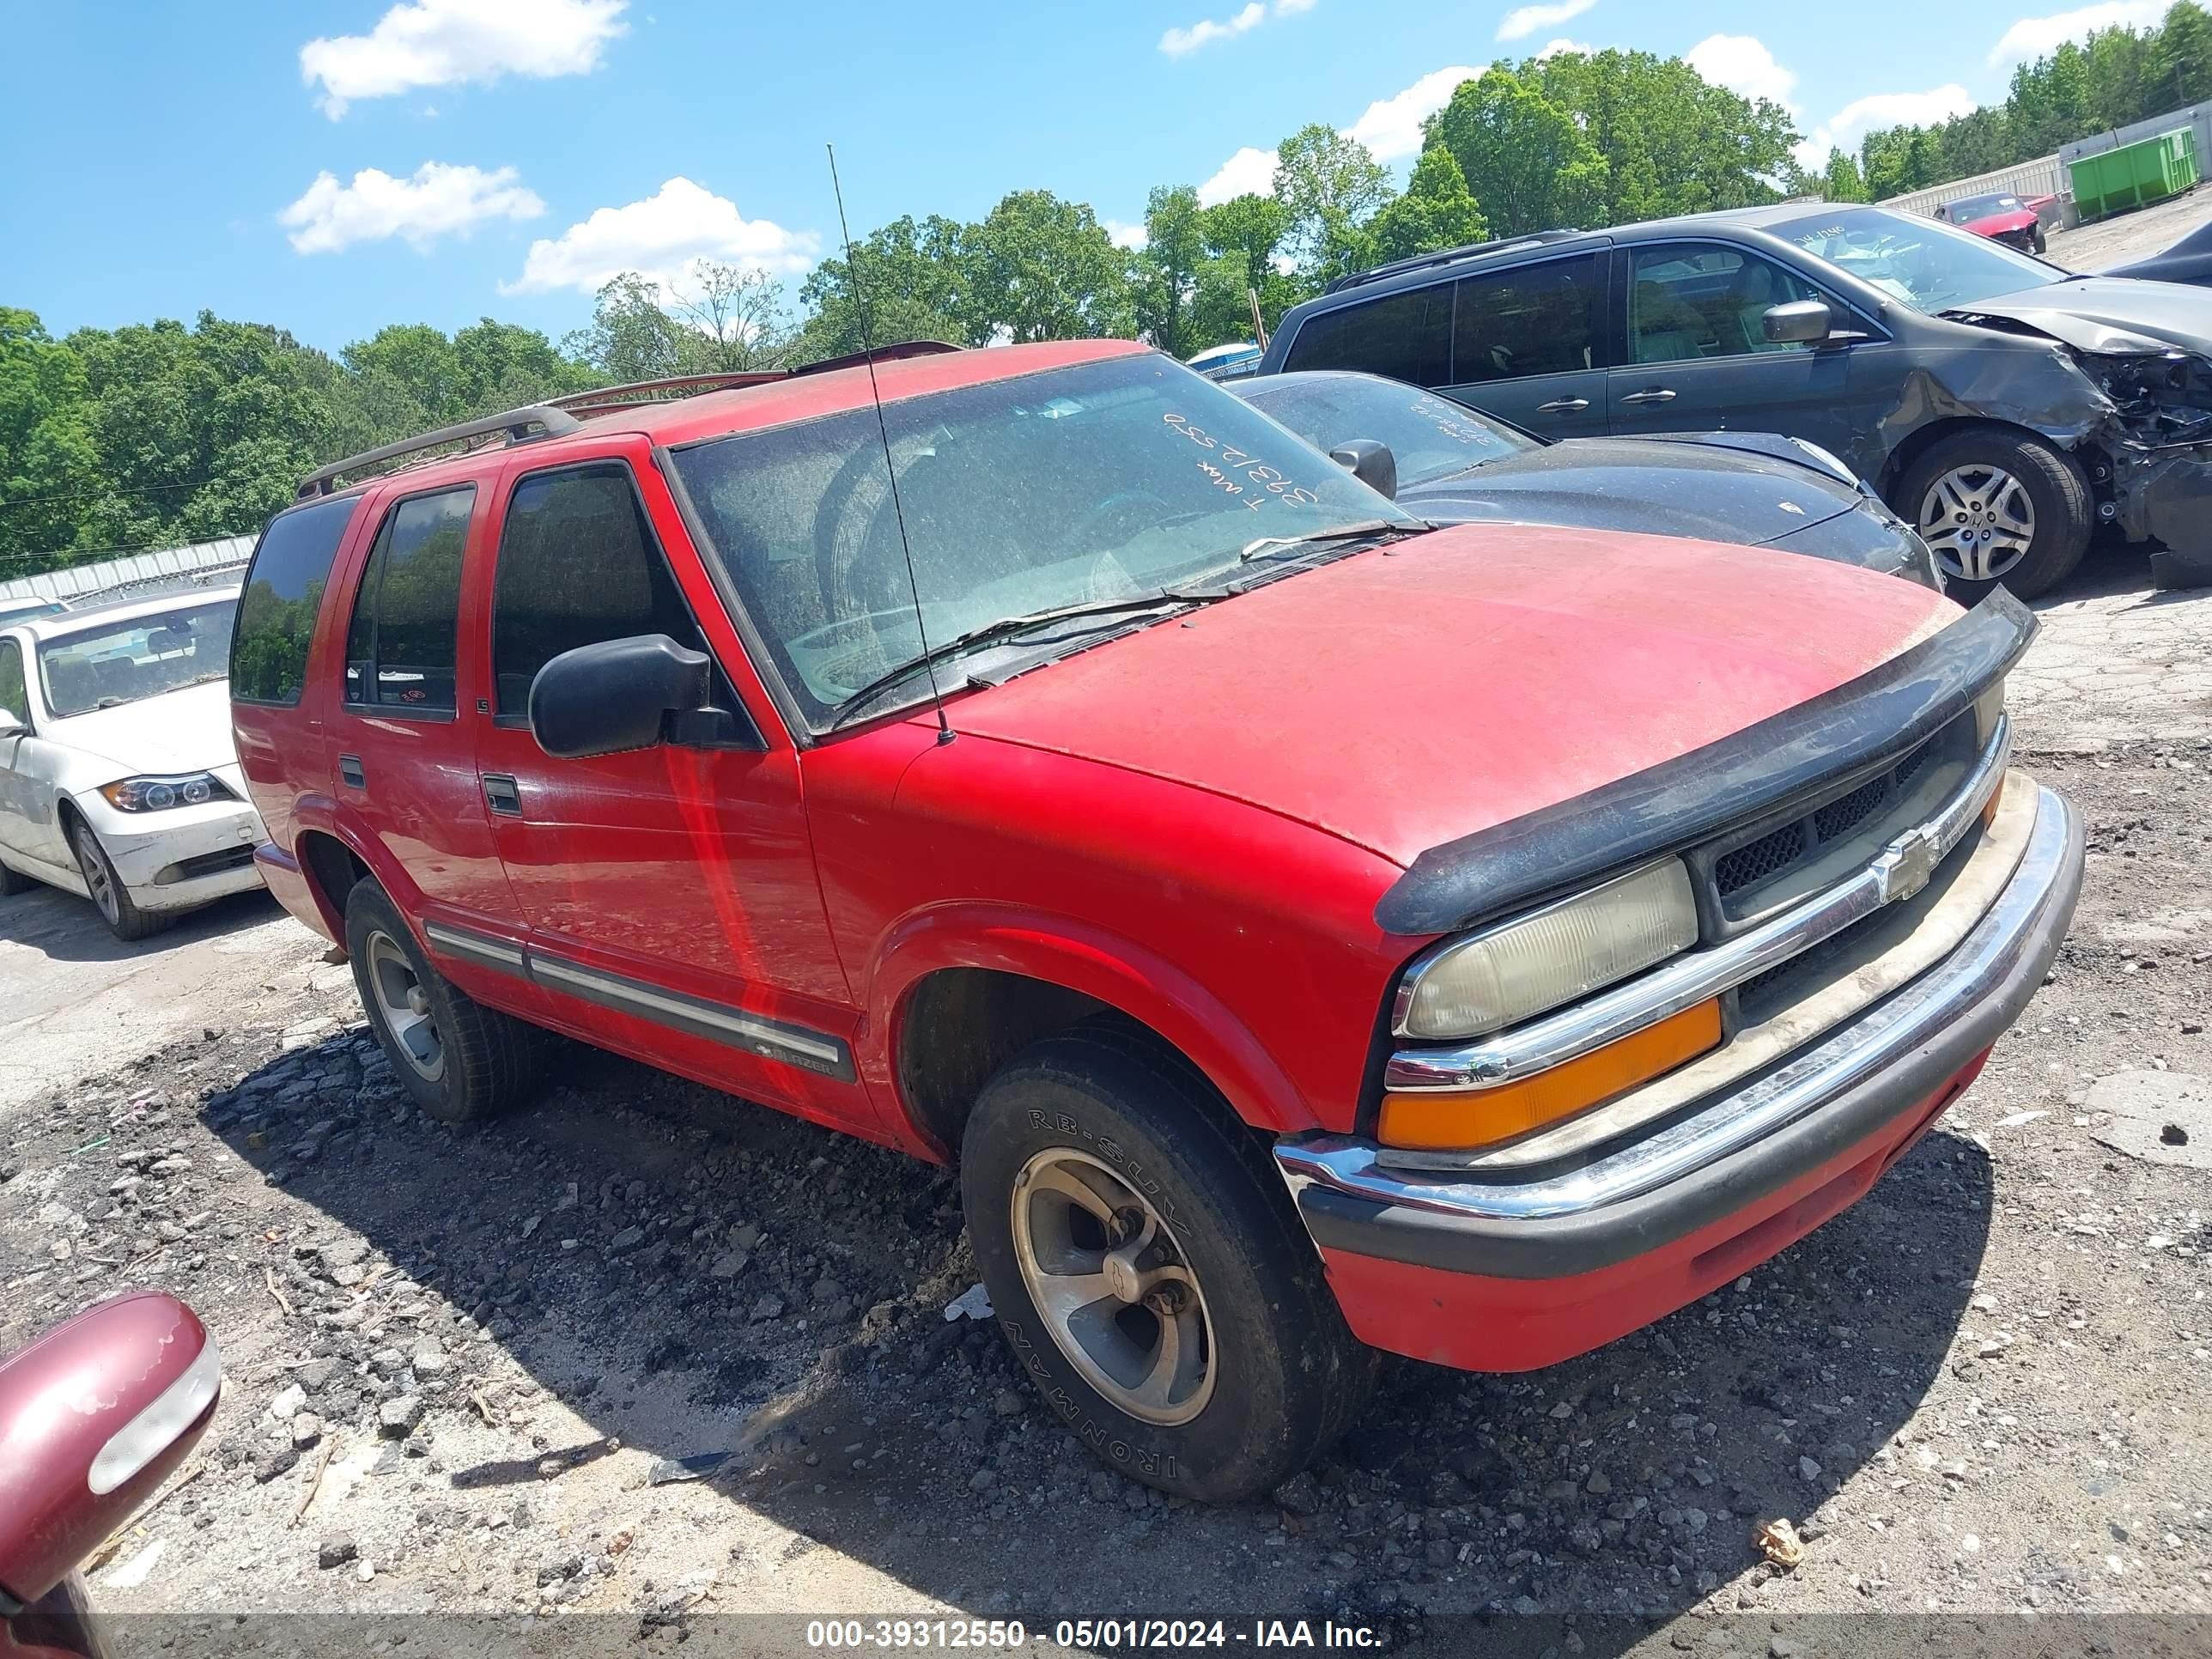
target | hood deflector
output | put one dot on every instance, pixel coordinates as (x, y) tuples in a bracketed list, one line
[(1683, 800)]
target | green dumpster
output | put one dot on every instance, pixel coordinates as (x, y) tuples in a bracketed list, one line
[(2134, 175)]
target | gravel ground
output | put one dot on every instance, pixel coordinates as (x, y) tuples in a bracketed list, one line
[(2131, 236), (644, 1351)]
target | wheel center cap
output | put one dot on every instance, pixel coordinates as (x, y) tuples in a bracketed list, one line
[(1122, 1277)]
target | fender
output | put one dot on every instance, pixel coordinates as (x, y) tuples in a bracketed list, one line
[(1140, 983), (322, 813)]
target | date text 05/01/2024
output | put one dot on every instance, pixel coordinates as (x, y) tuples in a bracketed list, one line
[(1106, 1633)]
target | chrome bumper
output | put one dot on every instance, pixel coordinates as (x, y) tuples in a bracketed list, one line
[(1894, 1056)]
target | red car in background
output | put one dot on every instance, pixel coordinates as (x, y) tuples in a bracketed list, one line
[(2016, 220)]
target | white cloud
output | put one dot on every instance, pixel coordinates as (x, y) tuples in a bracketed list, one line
[(1527, 20), (1391, 127), (1249, 173), (664, 239), (2039, 37), (438, 201), (1132, 237), (439, 43), (1742, 64), (1552, 48), (1206, 31), (1844, 130)]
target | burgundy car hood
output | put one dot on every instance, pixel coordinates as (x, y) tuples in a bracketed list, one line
[(1996, 224), (1401, 699)]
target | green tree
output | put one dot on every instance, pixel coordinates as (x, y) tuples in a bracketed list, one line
[(50, 468), (738, 317), (630, 337), (912, 276), (1328, 184), (1166, 276), (1242, 239), (1039, 268), (1436, 211), (1839, 181), (1524, 159)]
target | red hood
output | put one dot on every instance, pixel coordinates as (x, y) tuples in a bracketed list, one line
[(1400, 700), (1997, 223)]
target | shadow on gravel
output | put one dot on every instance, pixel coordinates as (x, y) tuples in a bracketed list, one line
[(67, 929), (694, 1277)]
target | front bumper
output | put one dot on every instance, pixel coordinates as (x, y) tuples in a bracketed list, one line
[(1527, 1267), (182, 858)]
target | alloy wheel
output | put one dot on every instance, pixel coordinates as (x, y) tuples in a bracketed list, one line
[(97, 880), (1979, 520), (405, 1006), (1117, 1294)]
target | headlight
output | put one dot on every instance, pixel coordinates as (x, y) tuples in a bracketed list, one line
[(1476, 985), (159, 794)]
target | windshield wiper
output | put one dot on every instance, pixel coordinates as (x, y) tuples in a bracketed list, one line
[(1342, 532), (1008, 627)]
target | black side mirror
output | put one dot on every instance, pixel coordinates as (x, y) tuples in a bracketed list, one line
[(1801, 322), (1369, 460), (630, 694)]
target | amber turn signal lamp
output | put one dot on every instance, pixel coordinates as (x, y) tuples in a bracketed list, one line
[(1462, 1121)]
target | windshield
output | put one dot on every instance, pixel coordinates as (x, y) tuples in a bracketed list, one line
[(1087, 485), (119, 662), (1430, 437), (1929, 265), (1980, 206)]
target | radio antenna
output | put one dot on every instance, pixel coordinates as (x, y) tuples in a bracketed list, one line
[(945, 733)]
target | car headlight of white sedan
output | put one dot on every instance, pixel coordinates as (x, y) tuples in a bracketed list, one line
[(159, 794)]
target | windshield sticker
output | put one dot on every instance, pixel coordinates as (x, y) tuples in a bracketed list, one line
[(1238, 473)]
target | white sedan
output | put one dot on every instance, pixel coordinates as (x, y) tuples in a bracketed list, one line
[(117, 776)]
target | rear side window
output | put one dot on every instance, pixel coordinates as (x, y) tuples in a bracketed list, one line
[(578, 564), (399, 648), (1407, 336), (13, 697), (1537, 319), (282, 596)]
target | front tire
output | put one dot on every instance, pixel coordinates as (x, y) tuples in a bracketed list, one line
[(1149, 1272), (109, 895), (1999, 508), (459, 1059)]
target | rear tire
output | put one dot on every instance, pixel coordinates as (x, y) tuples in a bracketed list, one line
[(459, 1059), (109, 895), (2000, 508), (1111, 1195)]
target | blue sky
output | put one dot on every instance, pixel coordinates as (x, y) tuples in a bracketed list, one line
[(335, 167)]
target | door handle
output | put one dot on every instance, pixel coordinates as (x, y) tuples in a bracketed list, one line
[(1655, 394), (1564, 406), (502, 795), (350, 773)]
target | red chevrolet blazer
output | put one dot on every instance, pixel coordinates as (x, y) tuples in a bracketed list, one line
[(1311, 934)]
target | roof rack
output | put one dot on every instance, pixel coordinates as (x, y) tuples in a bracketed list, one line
[(1447, 256), (557, 416), (600, 400), (516, 423)]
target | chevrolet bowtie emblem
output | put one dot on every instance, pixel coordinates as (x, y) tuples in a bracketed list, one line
[(1905, 865)]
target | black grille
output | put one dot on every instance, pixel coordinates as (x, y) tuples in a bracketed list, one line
[(1840, 817), (205, 864), (1783, 978), (1760, 859), (1761, 863)]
